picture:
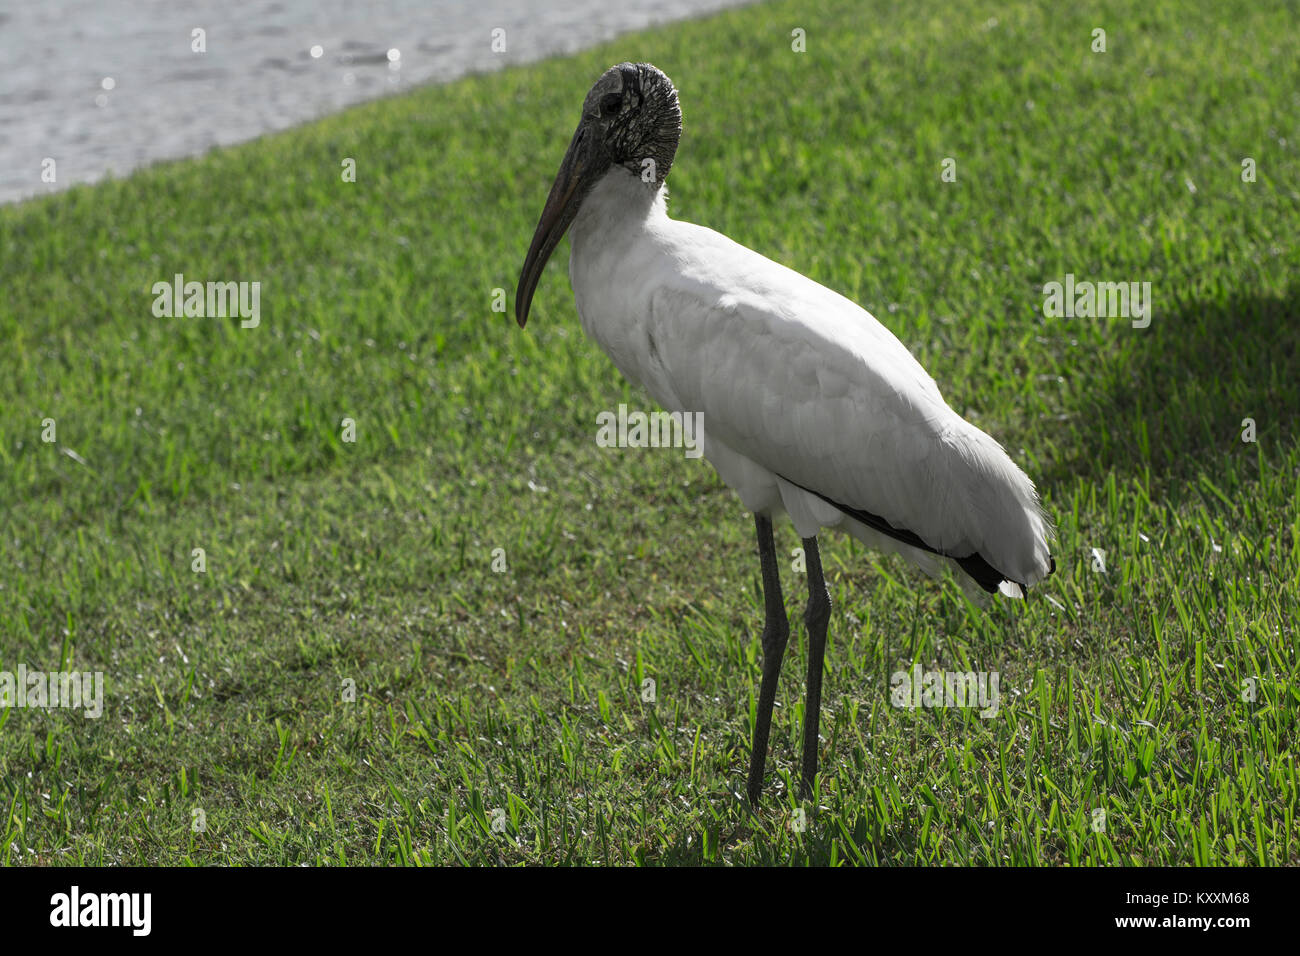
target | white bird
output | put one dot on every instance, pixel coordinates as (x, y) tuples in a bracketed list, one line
[(810, 406)]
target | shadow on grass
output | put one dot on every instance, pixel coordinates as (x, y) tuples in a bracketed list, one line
[(1175, 400)]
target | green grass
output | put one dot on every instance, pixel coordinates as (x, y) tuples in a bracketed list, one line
[(520, 691)]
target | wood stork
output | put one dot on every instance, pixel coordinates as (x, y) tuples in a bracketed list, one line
[(810, 406)]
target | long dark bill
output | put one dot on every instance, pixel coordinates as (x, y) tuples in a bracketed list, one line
[(562, 204)]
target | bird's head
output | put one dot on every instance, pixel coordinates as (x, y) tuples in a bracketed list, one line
[(630, 118)]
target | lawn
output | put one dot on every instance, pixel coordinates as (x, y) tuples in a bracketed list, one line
[(429, 645)]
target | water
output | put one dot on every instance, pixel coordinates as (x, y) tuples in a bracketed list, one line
[(111, 85)]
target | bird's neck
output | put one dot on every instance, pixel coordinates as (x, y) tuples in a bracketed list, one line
[(620, 203)]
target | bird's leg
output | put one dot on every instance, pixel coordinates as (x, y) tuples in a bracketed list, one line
[(816, 618), (776, 631)]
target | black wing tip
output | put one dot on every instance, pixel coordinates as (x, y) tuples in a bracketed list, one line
[(985, 575), (989, 577)]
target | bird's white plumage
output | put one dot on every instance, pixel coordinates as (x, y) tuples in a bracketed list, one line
[(795, 381)]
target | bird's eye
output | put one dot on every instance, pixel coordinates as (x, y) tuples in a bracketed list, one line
[(611, 104)]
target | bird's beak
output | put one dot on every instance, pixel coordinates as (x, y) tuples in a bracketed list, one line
[(567, 193)]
